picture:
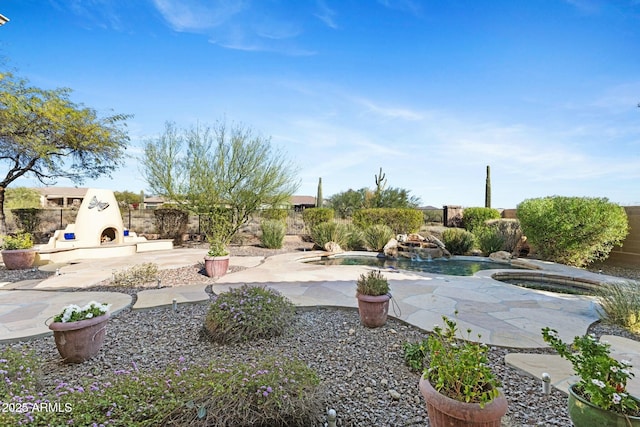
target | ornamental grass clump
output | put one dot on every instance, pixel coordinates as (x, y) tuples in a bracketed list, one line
[(620, 304), (136, 275), (273, 232), (603, 379), (248, 313), (459, 369)]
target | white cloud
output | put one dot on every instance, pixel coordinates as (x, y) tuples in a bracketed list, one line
[(198, 15)]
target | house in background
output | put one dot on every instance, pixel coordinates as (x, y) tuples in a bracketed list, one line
[(301, 203), (61, 197)]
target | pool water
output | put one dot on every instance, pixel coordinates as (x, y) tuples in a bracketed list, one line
[(452, 267)]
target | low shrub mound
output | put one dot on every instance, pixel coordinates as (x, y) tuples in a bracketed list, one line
[(248, 313), (264, 392), (458, 241), (136, 275)]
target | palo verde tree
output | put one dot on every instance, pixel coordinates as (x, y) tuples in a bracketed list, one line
[(45, 135), (222, 173)]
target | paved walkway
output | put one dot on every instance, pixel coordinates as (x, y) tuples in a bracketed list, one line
[(502, 314)]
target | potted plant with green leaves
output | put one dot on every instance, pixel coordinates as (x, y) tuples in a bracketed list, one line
[(17, 251), (458, 385), (600, 397), (79, 331), (219, 232), (372, 292)]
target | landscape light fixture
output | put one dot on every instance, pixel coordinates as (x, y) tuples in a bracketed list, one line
[(3, 20)]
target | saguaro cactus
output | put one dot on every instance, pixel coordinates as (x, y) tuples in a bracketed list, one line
[(487, 189), (319, 199)]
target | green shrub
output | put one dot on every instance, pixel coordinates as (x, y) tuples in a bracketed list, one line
[(19, 241), (572, 230), (620, 304), (273, 232), (457, 241), (136, 275), (248, 313), (489, 240), (355, 238), (315, 216), (276, 214), (27, 219), (510, 231), (376, 236), (326, 232), (400, 220), (415, 354), (432, 216), (259, 392), (473, 218), (373, 283)]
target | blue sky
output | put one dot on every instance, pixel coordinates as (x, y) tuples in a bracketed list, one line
[(546, 92)]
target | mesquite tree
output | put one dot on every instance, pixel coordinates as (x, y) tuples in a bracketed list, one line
[(46, 135)]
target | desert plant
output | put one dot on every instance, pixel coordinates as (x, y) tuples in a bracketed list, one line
[(573, 230), (510, 231), (489, 240), (377, 236), (262, 391), (277, 214), (373, 283), (248, 313), (460, 370), (19, 241), (326, 232), (355, 237), (136, 275), (457, 241), (27, 219), (315, 216), (273, 232), (400, 220), (620, 304), (171, 222), (473, 218), (415, 354), (487, 189)]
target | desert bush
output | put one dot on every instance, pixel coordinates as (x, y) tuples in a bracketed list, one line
[(510, 231), (277, 214), (315, 216), (473, 218), (136, 275), (326, 232), (458, 241), (27, 219), (620, 304), (260, 392), (573, 230), (376, 236), (488, 239), (355, 238), (248, 313), (171, 222), (400, 220), (432, 216), (273, 232)]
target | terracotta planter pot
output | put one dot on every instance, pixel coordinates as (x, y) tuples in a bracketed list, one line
[(373, 309), (216, 266), (80, 341), (584, 414), (18, 259), (444, 411)]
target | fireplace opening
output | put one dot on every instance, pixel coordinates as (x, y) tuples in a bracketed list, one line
[(108, 236)]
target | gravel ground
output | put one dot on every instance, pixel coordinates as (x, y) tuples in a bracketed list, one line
[(362, 369)]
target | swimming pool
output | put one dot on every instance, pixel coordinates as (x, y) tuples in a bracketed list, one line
[(452, 266)]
